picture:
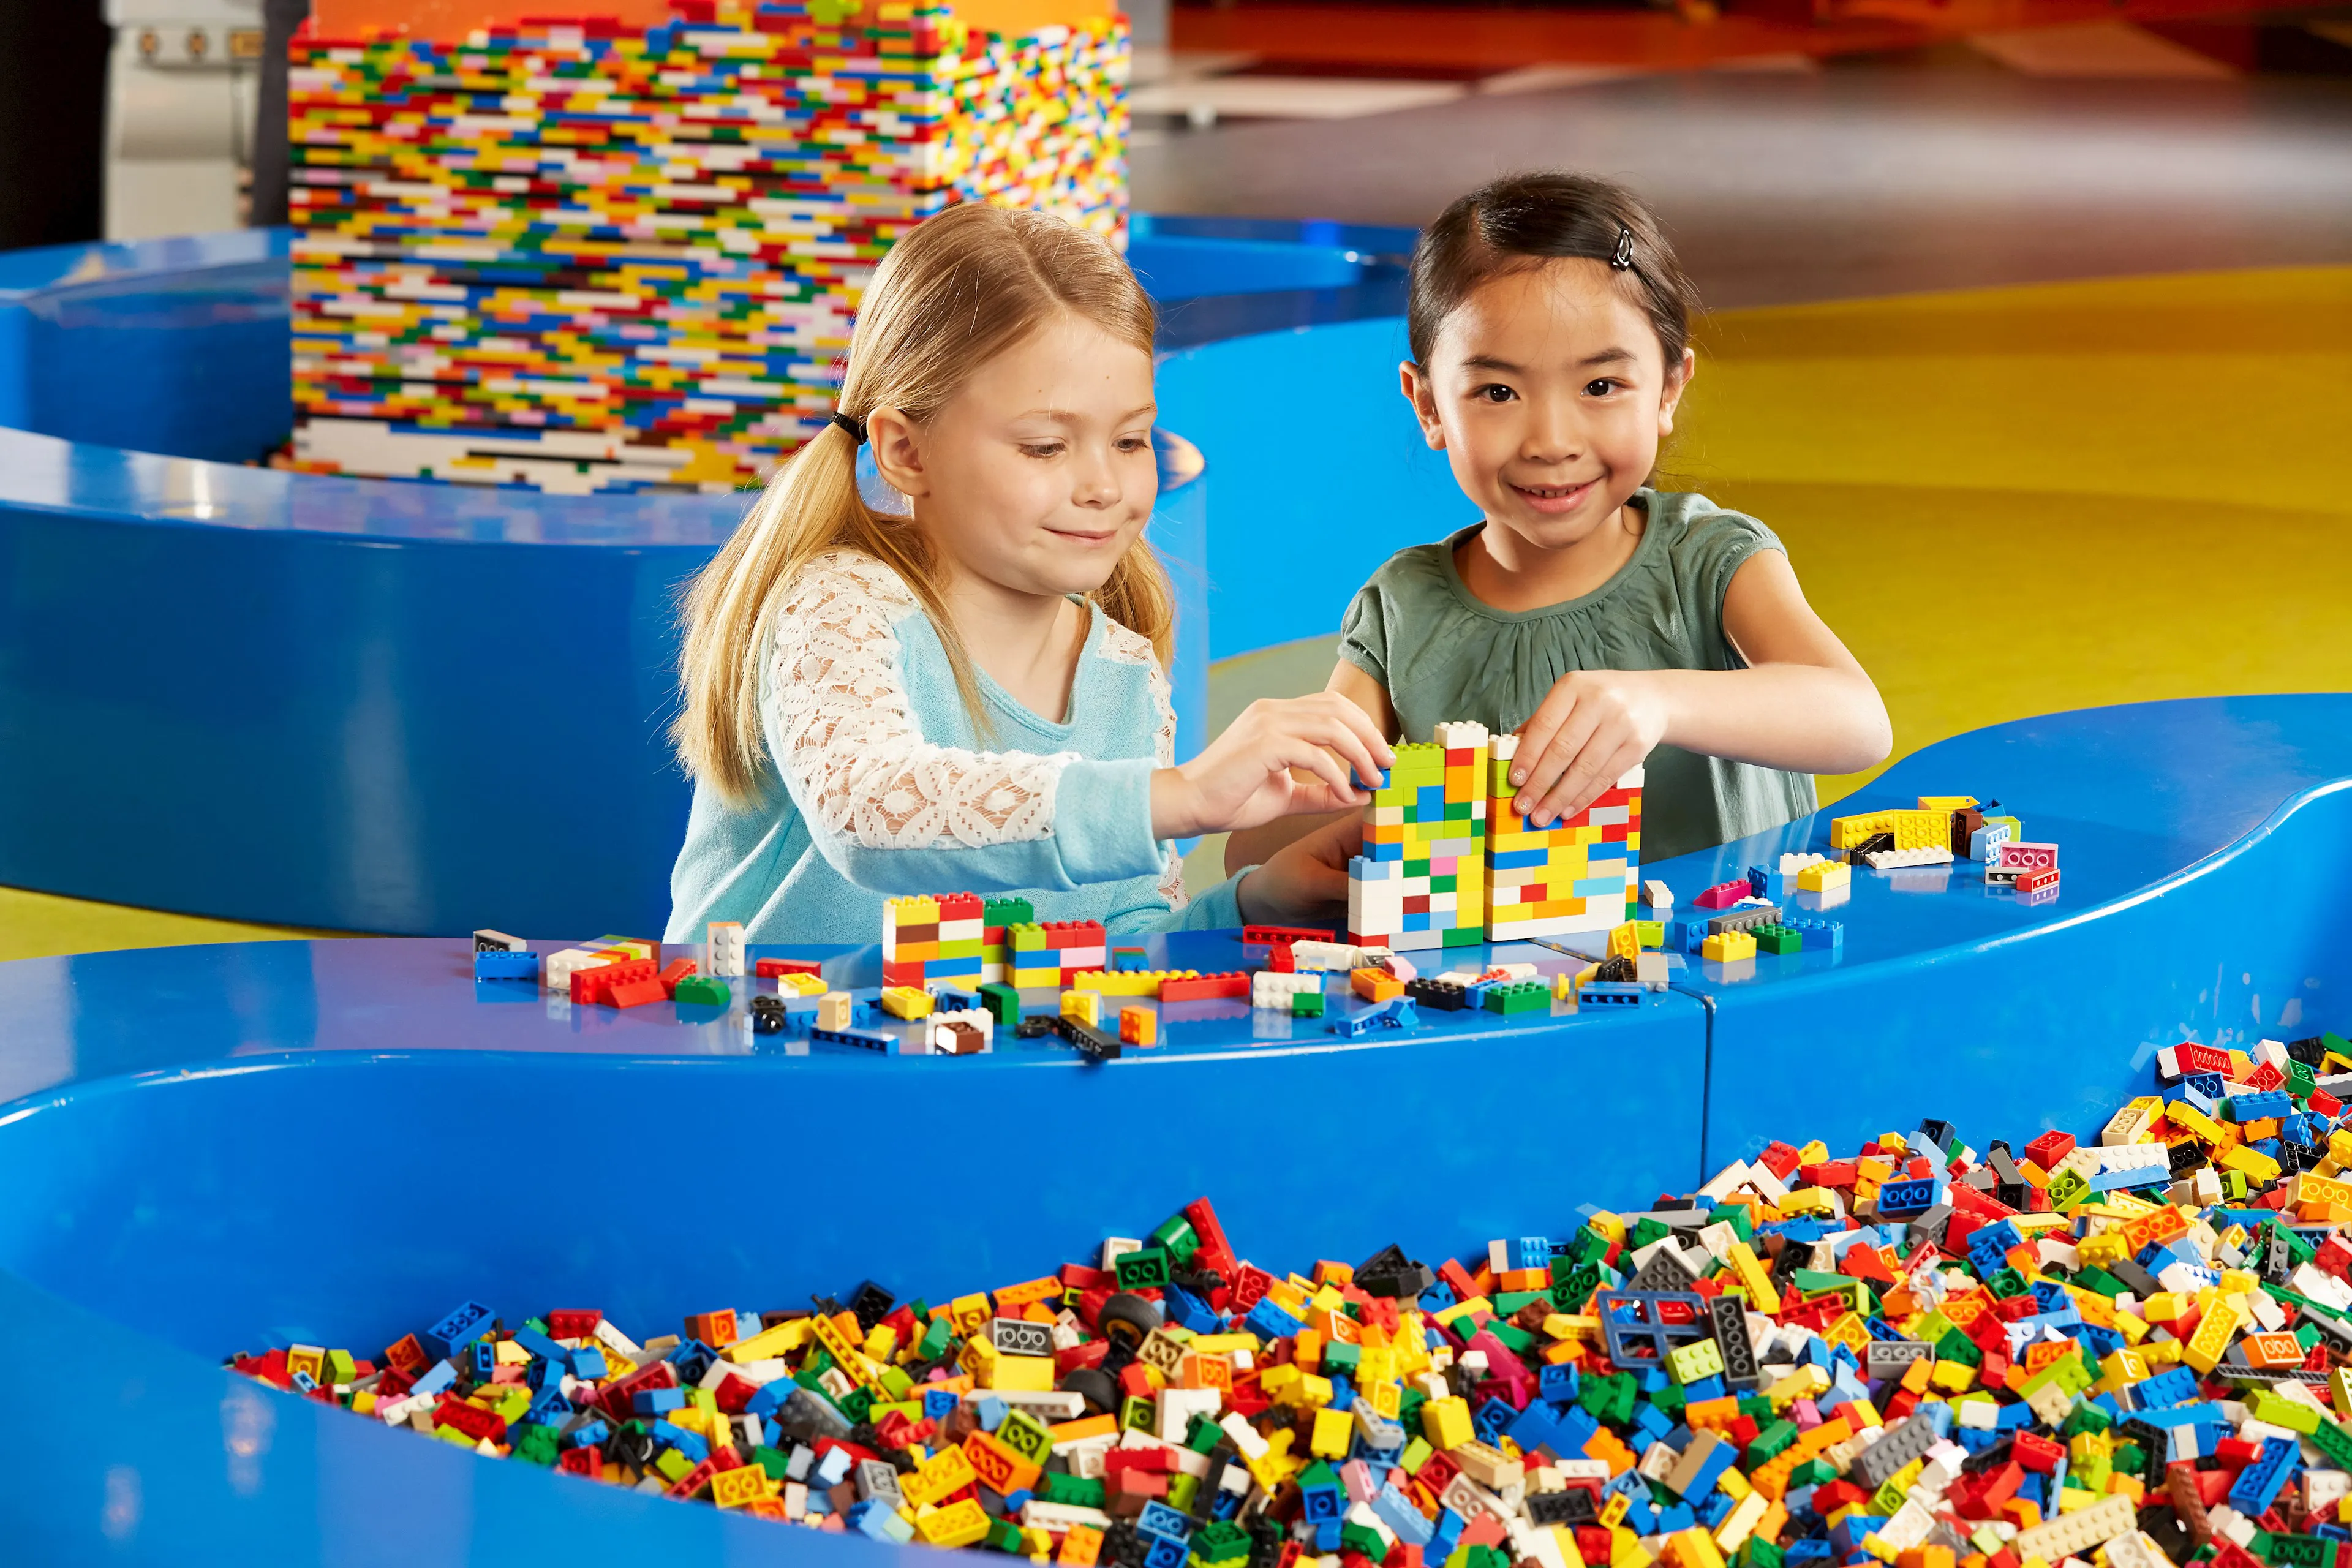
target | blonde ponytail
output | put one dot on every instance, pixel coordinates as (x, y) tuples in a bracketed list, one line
[(961, 289)]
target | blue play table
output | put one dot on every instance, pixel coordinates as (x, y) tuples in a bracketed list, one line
[(211, 1148)]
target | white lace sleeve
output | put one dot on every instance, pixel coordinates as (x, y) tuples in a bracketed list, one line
[(843, 736)]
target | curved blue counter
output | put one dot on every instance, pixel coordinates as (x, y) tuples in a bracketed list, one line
[(385, 706), (214, 1146)]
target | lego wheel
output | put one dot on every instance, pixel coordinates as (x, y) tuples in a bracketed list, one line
[(1098, 1389), (1125, 1319)]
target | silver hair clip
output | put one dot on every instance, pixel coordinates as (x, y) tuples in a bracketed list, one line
[(1624, 260)]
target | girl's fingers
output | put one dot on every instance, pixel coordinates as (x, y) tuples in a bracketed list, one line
[(1536, 735), (1360, 724), (1544, 774), (1594, 773), (1304, 752)]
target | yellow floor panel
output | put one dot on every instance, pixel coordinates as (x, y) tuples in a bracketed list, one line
[(2008, 501), (43, 925)]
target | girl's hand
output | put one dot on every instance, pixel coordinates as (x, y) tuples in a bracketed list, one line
[(1244, 778), (1591, 729), (1306, 880)]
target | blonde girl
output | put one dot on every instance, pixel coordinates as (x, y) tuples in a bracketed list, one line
[(972, 696)]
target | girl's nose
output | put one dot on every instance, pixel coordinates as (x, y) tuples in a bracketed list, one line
[(1554, 433), (1096, 484)]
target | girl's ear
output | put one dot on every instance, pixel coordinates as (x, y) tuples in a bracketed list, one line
[(1422, 395), (897, 452), (1670, 398)]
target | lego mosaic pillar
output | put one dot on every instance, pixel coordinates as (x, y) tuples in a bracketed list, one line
[(624, 250), (1420, 881), (1581, 874)]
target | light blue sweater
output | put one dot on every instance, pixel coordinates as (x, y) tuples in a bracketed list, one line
[(878, 788)]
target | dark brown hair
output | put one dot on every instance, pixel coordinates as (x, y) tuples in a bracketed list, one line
[(1521, 221)]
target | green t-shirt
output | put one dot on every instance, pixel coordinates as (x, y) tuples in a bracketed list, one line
[(1442, 655)]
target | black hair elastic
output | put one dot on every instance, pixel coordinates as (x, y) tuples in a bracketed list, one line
[(1624, 260), (851, 423)]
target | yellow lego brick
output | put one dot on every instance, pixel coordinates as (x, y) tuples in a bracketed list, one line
[(906, 1002), (1727, 947), (1763, 1296), (1129, 982), (1446, 1423), (2215, 1330), (1085, 1007), (959, 1524), (1334, 1430)]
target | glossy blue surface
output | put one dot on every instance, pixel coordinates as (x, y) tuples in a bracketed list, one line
[(2205, 893), (218, 1146), (166, 345), (301, 700)]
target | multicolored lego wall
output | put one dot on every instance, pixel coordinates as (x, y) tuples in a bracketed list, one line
[(624, 250), (1450, 860)]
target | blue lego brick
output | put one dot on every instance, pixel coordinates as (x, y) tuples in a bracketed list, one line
[(1161, 1520), (1641, 1326), (1384, 852), (1509, 859), (2258, 1485), (506, 967), (461, 1325), (1906, 1197), (1820, 936), (1611, 993)]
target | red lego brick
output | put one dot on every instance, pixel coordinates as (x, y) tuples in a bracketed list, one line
[(1283, 936), (903, 971), (1722, 896), (674, 973), (1205, 986), (596, 985), (769, 968), (636, 992), (959, 906), (2049, 1148)]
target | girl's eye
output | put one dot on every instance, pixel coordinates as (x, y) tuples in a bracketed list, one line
[(1135, 443), (1600, 388), (1494, 393), (1041, 450)]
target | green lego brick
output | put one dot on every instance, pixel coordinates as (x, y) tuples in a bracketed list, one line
[(1002, 1003), (1306, 1004), (1007, 912), (1518, 996), (1464, 936), (1175, 1235)]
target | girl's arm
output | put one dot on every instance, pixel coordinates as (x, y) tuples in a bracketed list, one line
[(892, 811), (1804, 704), (1256, 846)]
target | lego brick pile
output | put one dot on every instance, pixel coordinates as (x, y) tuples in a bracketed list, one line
[(2129, 1351), (586, 257), (1450, 861)]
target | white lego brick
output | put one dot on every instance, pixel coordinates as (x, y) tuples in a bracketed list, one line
[(724, 949), (556, 970), (1657, 896), (1503, 748), (936, 1033), (1461, 734), (1270, 990), (971, 929), (1896, 859)]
